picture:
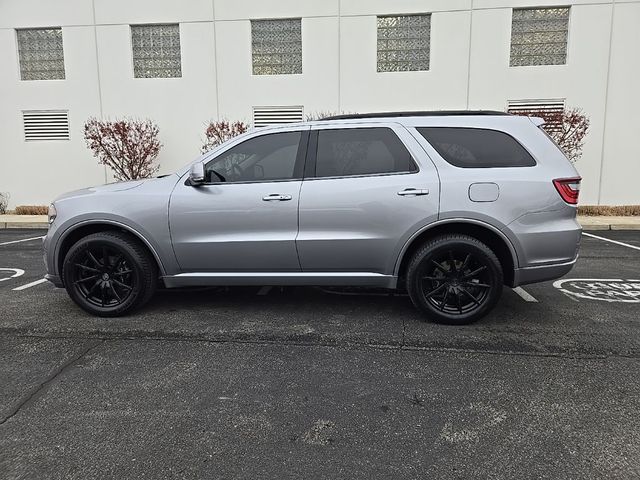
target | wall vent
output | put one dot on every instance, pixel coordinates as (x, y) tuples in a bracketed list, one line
[(541, 108), (263, 116), (45, 125)]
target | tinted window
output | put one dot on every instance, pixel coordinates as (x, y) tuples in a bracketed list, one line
[(477, 148), (361, 151), (265, 158)]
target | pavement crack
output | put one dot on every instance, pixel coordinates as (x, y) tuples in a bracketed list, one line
[(38, 389)]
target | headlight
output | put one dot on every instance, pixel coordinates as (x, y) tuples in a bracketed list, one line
[(52, 213)]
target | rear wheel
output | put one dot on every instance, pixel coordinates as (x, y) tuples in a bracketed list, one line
[(454, 279), (109, 273)]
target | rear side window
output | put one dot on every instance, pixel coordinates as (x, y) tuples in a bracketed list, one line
[(477, 148), (361, 151)]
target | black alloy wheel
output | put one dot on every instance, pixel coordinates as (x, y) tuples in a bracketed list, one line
[(454, 279), (109, 273), (102, 275)]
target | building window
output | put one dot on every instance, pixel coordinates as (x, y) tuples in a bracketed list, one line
[(41, 54), (403, 43), (539, 36), (276, 46), (156, 51)]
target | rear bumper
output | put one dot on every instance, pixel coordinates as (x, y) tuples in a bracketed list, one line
[(523, 276)]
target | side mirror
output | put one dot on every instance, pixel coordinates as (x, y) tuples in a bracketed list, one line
[(196, 174)]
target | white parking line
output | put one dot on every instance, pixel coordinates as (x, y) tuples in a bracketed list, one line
[(23, 240), (612, 241), (526, 296), (29, 285)]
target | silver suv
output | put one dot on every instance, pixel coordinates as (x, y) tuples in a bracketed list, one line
[(448, 206)]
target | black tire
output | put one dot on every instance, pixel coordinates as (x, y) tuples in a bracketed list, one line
[(454, 279), (108, 274)]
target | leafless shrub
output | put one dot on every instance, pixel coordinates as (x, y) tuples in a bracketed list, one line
[(127, 146), (218, 132)]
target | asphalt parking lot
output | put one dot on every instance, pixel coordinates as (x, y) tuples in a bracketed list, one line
[(308, 382)]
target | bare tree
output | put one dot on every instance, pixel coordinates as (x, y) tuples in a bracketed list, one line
[(127, 146), (567, 128), (218, 132)]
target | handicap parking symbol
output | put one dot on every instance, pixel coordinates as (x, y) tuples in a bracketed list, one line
[(10, 273), (607, 290)]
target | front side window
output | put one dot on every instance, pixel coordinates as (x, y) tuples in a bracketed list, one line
[(265, 158), (276, 46), (361, 151), (41, 54), (476, 147), (156, 51), (539, 36), (403, 43)]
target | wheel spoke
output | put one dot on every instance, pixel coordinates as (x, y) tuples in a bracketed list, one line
[(465, 263), (93, 259), (115, 294), (452, 261), (433, 278), (86, 268), (102, 296), (439, 266), (473, 299), (82, 280), (435, 290), (92, 289), (458, 303), (480, 285), (474, 273), (105, 257), (123, 272), (444, 300), (120, 284)]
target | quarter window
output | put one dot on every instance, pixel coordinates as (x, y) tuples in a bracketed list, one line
[(403, 43), (276, 46), (156, 51), (361, 151), (41, 54), (539, 36), (477, 148), (260, 159)]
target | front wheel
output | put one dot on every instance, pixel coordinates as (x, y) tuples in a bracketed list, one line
[(454, 279), (109, 273)]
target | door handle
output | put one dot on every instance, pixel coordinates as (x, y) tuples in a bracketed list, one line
[(413, 192), (276, 197)]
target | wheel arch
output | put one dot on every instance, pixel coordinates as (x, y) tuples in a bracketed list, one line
[(484, 232), (82, 229)]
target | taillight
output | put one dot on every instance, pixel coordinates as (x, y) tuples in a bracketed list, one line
[(568, 188)]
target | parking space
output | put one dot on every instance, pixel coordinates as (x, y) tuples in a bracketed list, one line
[(544, 318), (253, 381)]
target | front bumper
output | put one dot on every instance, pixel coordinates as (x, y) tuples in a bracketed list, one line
[(542, 273), (55, 279)]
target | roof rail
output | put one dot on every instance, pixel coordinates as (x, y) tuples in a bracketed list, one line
[(435, 113)]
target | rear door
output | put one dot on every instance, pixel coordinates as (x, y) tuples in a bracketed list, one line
[(367, 189)]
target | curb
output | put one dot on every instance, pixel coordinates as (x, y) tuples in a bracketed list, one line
[(613, 226), (23, 225)]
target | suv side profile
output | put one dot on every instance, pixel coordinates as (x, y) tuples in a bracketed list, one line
[(447, 205)]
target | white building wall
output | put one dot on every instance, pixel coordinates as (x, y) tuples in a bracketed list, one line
[(469, 68)]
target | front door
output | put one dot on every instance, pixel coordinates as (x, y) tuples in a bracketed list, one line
[(245, 217)]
